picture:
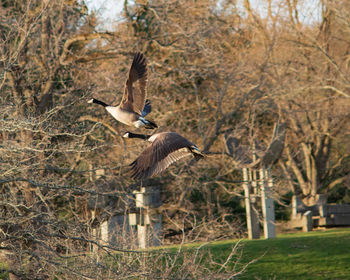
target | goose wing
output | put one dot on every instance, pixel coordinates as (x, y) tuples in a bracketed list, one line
[(134, 97), (165, 150), (146, 109)]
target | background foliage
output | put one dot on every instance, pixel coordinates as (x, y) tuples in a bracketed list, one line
[(213, 70)]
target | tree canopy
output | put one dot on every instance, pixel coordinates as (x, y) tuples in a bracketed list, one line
[(213, 70)]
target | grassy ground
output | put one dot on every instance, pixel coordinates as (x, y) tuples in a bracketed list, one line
[(323, 254), (316, 255)]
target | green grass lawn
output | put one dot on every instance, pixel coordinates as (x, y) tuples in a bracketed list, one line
[(313, 255), (323, 254)]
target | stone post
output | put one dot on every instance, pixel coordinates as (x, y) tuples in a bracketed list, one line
[(307, 221), (149, 224), (252, 217), (267, 204)]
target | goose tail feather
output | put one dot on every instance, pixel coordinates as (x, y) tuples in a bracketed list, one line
[(150, 124), (196, 153)]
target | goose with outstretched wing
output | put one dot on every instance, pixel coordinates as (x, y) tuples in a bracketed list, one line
[(133, 107), (166, 148)]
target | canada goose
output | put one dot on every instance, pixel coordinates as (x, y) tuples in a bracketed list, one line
[(166, 148), (133, 108)]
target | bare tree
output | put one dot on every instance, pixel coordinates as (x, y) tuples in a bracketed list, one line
[(53, 145), (44, 147), (318, 100), (211, 72)]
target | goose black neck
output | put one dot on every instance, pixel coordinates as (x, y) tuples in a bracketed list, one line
[(140, 136), (99, 102)]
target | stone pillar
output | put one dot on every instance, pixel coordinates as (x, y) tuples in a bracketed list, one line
[(307, 221), (95, 234), (149, 224), (104, 230), (267, 204), (252, 216), (297, 206)]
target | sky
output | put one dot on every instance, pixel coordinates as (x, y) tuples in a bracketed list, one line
[(309, 11), (109, 10)]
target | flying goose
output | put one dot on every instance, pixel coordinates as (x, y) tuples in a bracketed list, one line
[(133, 108), (166, 148)]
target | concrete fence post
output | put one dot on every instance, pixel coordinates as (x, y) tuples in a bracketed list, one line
[(267, 204), (307, 221), (149, 224), (252, 215)]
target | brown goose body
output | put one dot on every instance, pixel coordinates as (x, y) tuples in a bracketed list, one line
[(166, 148), (133, 107)]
